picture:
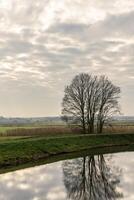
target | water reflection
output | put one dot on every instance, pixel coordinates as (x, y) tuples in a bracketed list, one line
[(37, 183), (91, 178), (101, 177)]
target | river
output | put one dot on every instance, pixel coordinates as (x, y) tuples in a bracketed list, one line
[(99, 177)]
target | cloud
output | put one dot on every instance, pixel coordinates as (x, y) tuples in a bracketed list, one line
[(68, 28), (44, 44)]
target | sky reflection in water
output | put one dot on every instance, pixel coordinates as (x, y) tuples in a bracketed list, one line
[(99, 177)]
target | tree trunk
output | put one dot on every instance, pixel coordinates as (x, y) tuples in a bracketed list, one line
[(92, 126), (100, 126), (83, 123)]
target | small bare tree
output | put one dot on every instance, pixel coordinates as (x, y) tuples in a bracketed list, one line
[(89, 101)]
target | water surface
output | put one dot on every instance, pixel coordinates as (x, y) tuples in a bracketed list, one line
[(109, 176)]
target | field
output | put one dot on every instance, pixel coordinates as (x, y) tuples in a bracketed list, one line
[(59, 130), (120, 128), (46, 130)]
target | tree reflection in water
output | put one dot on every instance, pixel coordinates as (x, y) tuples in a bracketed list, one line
[(91, 178)]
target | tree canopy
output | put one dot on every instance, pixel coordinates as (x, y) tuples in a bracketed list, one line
[(90, 101)]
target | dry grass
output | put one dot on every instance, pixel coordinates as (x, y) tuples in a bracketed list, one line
[(47, 131), (119, 128), (60, 130)]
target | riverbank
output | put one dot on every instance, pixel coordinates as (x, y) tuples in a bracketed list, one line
[(15, 152)]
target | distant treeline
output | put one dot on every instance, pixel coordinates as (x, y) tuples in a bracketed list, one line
[(33, 120), (49, 120)]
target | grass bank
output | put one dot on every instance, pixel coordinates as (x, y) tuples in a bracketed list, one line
[(19, 151)]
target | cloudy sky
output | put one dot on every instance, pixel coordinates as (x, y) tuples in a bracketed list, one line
[(44, 43)]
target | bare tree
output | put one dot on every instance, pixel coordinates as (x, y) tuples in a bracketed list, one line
[(108, 102), (89, 101), (74, 101), (92, 103)]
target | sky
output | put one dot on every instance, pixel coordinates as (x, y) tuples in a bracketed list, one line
[(45, 43)]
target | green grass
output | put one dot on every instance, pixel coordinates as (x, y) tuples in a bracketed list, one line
[(18, 151), (4, 129)]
